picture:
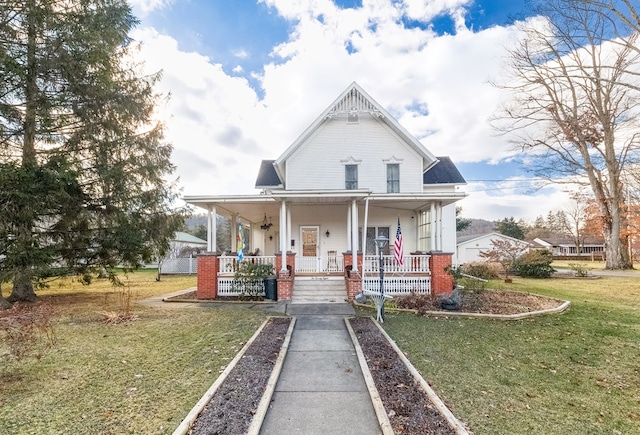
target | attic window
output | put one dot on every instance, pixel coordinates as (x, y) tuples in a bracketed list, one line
[(352, 116)]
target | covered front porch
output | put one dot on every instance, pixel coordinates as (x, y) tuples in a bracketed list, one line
[(313, 234)]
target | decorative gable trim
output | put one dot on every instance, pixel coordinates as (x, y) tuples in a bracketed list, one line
[(354, 97), (353, 103)]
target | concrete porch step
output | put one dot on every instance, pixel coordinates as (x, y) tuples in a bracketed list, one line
[(319, 290)]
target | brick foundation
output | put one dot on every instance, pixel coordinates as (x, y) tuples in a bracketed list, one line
[(354, 286), (286, 278), (208, 266), (441, 281)]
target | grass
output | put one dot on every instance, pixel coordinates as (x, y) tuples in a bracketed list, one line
[(575, 373), (136, 377)]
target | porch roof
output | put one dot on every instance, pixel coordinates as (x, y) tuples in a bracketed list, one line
[(254, 207)]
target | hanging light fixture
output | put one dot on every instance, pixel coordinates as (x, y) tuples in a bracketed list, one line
[(266, 224)]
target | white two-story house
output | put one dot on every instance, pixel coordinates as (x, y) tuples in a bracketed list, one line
[(351, 176)]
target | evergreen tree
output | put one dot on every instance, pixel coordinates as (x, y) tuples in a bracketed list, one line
[(461, 223), (510, 227), (82, 162)]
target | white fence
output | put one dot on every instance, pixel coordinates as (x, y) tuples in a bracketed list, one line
[(179, 266), (229, 264), (395, 285), (225, 287), (411, 263)]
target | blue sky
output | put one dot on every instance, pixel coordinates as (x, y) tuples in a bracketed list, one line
[(247, 77)]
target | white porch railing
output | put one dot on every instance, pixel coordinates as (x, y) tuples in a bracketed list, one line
[(397, 285), (225, 287), (411, 264), (229, 264), (319, 264), (179, 266)]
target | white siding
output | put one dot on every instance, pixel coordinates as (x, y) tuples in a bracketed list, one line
[(318, 163)]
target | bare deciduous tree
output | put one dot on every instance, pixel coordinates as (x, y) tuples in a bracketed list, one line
[(576, 93)]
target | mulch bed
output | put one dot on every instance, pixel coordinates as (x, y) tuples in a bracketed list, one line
[(408, 407), (231, 409), (485, 301)]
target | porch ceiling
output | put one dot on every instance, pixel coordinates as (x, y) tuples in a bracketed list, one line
[(253, 208)]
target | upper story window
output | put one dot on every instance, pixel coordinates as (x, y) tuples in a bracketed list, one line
[(351, 177), (393, 178)]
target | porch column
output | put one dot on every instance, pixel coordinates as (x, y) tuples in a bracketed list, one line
[(234, 233), (212, 229), (354, 234), (432, 225), (283, 235), (288, 238), (349, 228), (439, 226)]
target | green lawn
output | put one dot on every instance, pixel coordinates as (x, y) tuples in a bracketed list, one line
[(138, 377), (574, 373)]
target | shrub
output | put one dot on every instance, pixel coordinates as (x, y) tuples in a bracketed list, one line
[(480, 270), (248, 280), (26, 330), (534, 264), (579, 269), (472, 284)]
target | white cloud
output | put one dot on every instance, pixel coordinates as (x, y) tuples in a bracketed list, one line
[(241, 54), (142, 8), (492, 202), (437, 86)]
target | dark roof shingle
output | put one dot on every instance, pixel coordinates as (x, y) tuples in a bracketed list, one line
[(443, 172), (267, 176)]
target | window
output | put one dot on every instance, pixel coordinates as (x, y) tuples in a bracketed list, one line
[(393, 178), (350, 177), (372, 233)]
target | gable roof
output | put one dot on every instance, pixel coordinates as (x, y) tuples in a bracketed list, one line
[(443, 172), (180, 236), (466, 239), (355, 98), (267, 176)]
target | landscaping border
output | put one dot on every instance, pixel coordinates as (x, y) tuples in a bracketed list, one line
[(191, 417), (453, 422), (378, 407), (564, 305)]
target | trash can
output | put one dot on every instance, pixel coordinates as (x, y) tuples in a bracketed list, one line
[(271, 288)]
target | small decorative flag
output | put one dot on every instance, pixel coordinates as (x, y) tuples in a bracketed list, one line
[(240, 242), (398, 250)]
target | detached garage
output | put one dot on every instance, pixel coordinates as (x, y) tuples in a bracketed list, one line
[(468, 248)]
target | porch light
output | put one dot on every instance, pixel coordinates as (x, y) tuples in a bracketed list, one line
[(266, 224), (327, 233), (381, 243)]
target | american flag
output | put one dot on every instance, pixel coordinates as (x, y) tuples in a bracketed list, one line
[(398, 250)]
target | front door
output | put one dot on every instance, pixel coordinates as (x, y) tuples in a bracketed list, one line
[(309, 237)]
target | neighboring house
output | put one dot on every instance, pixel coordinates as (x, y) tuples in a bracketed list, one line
[(182, 253), (184, 245), (469, 247), (566, 247), (348, 178)]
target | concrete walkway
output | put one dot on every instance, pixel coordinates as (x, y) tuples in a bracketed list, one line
[(321, 389)]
